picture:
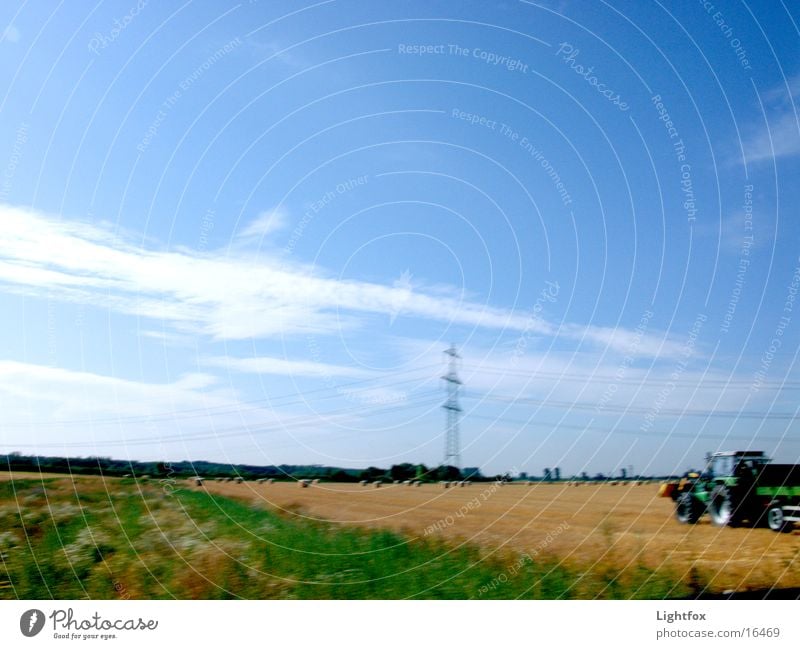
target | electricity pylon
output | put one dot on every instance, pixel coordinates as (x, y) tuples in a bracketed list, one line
[(452, 452)]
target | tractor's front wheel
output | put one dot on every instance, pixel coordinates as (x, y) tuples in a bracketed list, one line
[(688, 509), (721, 507)]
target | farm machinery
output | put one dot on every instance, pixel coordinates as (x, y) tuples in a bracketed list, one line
[(737, 488)]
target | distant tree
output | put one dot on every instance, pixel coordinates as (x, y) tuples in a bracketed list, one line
[(372, 473), (403, 471), (447, 472)]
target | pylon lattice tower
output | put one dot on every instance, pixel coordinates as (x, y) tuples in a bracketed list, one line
[(452, 451)]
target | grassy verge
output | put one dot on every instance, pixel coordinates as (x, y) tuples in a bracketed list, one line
[(126, 540)]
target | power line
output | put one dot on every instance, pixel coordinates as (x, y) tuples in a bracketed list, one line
[(632, 409), (719, 383), (623, 431), (192, 413), (292, 423)]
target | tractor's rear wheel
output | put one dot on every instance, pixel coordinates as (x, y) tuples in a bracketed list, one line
[(775, 518), (687, 509), (721, 507)]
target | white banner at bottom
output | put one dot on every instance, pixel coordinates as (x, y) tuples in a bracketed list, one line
[(390, 624)]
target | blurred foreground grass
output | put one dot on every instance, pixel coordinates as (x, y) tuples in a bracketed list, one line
[(68, 539)]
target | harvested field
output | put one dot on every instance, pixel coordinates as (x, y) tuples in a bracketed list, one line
[(593, 535), (33, 475), (586, 526), (93, 539)]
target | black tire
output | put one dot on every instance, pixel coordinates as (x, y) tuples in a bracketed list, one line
[(721, 508), (687, 509), (776, 520)]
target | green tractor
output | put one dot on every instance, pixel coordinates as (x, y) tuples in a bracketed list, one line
[(737, 488)]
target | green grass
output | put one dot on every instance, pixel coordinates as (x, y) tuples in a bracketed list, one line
[(140, 541)]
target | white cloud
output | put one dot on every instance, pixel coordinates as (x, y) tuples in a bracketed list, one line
[(224, 297), (264, 224), (66, 394), (780, 137), (731, 234), (404, 288), (783, 93), (50, 410), (583, 378), (285, 367), (273, 51), (241, 297), (624, 341), (168, 338), (11, 34), (604, 387)]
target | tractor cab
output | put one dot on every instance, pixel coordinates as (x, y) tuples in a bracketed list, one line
[(733, 464)]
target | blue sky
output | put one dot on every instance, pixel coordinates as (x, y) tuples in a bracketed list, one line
[(246, 232)]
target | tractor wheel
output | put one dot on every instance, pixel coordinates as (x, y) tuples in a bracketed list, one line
[(721, 507), (775, 518), (687, 509)]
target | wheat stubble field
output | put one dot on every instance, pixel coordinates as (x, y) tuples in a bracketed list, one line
[(585, 526), (88, 536)]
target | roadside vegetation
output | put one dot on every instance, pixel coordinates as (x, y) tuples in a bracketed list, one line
[(122, 539)]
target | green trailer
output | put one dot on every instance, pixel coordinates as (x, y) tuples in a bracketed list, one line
[(739, 488)]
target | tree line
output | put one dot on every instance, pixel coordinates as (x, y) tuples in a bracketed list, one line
[(96, 465)]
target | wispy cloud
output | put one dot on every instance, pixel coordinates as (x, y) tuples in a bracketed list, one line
[(10, 34), (780, 136), (264, 224), (52, 410), (268, 50), (603, 386), (784, 93), (733, 235), (242, 297), (285, 367), (42, 392)]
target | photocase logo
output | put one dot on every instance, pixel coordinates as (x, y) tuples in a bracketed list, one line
[(31, 622)]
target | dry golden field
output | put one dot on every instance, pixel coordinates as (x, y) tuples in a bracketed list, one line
[(587, 529), (585, 526)]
